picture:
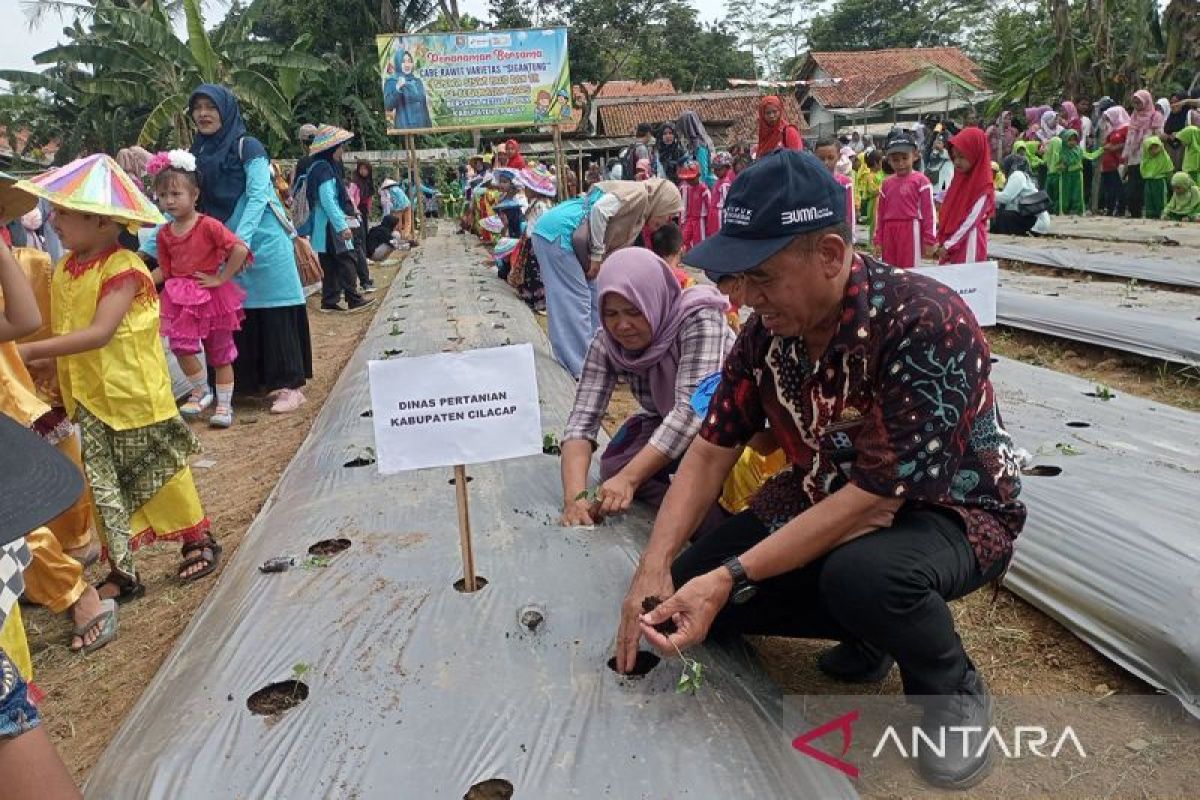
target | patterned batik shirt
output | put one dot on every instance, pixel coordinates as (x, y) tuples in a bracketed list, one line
[(900, 405)]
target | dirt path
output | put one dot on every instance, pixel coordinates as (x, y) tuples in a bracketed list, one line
[(89, 696)]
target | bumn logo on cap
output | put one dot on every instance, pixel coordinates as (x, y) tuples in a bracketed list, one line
[(810, 214)]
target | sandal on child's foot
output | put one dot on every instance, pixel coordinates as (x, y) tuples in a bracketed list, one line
[(205, 554), (196, 403), (126, 588), (221, 418)]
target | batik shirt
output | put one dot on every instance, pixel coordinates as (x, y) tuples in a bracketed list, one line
[(900, 405)]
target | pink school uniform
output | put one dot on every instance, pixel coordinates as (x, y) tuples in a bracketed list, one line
[(716, 206), (696, 202), (905, 219)]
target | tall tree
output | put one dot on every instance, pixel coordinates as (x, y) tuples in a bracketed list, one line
[(879, 24), (510, 13)]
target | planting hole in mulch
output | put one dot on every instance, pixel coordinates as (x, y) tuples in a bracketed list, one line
[(452, 480), (1110, 396), (1042, 471), (491, 789), (461, 586), (329, 547), (359, 461), (645, 662), (275, 698), (1078, 424), (367, 413), (531, 618), (995, 360), (667, 627)]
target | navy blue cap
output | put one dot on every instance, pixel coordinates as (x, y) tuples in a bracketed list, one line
[(780, 196)]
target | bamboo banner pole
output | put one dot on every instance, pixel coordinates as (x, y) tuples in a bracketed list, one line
[(560, 163), (464, 528)]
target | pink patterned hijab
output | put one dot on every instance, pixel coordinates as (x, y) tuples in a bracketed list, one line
[(645, 280)]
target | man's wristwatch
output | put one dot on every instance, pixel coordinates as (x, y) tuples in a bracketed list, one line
[(743, 589)]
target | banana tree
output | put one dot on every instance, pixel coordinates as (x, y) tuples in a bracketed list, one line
[(134, 65)]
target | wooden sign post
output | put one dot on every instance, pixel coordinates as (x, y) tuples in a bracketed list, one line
[(453, 409), (464, 528)]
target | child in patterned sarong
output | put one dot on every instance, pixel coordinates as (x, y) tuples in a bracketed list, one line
[(113, 376)]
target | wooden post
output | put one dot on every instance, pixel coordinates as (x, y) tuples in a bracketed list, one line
[(414, 175), (464, 528)]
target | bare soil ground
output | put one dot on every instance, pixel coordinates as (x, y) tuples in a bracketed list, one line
[(89, 696)]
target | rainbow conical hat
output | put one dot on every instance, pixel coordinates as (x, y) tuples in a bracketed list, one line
[(13, 201), (328, 137), (95, 185)]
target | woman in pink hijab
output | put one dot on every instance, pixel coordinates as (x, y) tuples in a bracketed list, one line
[(1146, 120), (1073, 120), (662, 340)]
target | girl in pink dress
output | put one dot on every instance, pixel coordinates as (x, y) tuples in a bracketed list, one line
[(831, 155), (200, 304), (696, 202), (905, 229), (723, 168)]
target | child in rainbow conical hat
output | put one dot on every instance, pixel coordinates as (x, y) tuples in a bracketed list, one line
[(113, 374)]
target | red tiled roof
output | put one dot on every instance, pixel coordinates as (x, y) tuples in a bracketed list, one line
[(734, 111), (615, 89), (879, 74), (658, 86)]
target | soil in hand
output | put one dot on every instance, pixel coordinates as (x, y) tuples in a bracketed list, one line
[(666, 627)]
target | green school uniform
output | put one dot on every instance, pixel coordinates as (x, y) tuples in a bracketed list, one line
[(1185, 204), (1156, 170), (1190, 138)]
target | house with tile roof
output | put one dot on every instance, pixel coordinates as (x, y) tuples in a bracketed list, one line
[(872, 90)]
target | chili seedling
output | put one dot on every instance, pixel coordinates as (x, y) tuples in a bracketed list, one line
[(692, 677), (315, 562), (1103, 392), (592, 495), (550, 445), (299, 670)]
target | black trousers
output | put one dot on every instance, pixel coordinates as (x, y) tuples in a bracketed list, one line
[(1135, 190), (361, 267), (1011, 222), (1112, 194), (888, 588), (339, 278)]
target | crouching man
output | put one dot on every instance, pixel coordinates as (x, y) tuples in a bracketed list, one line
[(901, 491)]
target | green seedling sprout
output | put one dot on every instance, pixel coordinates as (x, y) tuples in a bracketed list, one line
[(299, 670), (592, 495), (1068, 449), (1103, 392), (550, 445), (315, 562), (692, 677)]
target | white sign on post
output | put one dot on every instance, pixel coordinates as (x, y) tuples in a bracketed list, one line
[(455, 408), (975, 284)]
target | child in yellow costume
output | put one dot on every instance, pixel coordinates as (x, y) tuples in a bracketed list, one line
[(113, 375), (54, 576)]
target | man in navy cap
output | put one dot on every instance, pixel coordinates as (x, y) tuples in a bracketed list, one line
[(901, 490)]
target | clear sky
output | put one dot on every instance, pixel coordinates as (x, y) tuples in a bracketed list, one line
[(18, 43)]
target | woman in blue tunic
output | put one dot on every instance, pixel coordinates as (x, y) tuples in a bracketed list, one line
[(274, 348), (404, 93)]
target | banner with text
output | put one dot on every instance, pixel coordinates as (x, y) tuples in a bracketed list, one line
[(475, 79), (975, 283), (455, 408)]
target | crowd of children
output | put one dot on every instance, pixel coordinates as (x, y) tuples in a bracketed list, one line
[(190, 259)]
